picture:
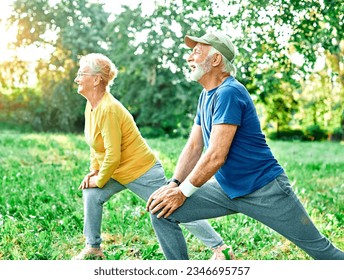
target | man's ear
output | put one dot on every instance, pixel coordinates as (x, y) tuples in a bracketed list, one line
[(216, 59)]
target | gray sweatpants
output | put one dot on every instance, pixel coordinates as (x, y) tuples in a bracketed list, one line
[(144, 186), (275, 205)]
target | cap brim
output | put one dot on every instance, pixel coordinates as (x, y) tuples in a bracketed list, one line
[(192, 41)]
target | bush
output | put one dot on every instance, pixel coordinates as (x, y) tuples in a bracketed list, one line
[(311, 133), (287, 134), (152, 132), (19, 106), (337, 134), (315, 133), (12, 126)]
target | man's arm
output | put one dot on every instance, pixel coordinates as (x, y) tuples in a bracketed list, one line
[(188, 158), (190, 155), (169, 200), (221, 139)]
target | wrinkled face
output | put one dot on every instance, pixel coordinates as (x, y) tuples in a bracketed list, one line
[(198, 61), (85, 80)]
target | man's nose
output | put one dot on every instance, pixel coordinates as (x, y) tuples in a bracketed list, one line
[(189, 58)]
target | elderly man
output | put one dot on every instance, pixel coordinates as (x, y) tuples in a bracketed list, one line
[(237, 173)]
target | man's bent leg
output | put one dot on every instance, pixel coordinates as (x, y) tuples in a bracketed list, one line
[(208, 202)]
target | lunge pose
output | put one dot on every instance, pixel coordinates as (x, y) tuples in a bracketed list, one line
[(248, 178), (120, 158)]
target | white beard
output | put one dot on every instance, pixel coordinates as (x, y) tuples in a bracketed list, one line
[(198, 73), (200, 70)]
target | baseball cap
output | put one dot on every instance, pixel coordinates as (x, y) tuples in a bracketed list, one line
[(219, 40)]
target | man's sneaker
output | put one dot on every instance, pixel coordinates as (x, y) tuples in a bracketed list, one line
[(223, 252), (89, 253)]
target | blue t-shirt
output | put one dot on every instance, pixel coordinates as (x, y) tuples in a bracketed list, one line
[(250, 163)]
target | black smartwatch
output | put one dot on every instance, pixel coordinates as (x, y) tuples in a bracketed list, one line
[(174, 180)]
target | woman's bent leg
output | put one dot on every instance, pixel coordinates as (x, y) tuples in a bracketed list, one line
[(94, 198), (204, 232)]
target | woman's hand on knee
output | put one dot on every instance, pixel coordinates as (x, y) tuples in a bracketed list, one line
[(85, 184)]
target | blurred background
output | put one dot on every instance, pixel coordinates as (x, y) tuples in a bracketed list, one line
[(290, 57)]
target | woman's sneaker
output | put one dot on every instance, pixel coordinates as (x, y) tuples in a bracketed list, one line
[(223, 252), (89, 253)]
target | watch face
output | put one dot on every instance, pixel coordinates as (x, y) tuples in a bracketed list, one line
[(175, 181)]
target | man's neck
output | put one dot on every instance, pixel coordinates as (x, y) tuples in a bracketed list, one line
[(212, 80)]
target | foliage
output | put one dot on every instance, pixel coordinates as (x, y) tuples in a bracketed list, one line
[(151, 83), (310, 133), (21, 107), (283, 40), (315, 132), (78, 27), (279, 45), (337, 134), (287, 134), (41, 207)]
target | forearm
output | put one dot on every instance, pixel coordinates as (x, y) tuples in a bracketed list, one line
[(215, 156), (106, 171), (203, 167), (206, 167), (186, 162)]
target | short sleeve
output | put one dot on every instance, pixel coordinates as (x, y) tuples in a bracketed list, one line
[(228, 108)]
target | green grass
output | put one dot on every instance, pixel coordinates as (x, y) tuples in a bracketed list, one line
[(41, 211)]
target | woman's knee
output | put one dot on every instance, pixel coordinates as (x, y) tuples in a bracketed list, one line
[(91, 196)]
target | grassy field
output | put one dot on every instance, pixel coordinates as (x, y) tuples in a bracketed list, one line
[(41, 211)]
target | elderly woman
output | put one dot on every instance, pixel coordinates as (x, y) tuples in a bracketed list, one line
[(119, 157)]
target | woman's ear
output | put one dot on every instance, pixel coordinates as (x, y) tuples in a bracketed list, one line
[(97, 80)]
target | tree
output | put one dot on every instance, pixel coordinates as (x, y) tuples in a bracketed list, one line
[(274, 31), (150, 53), (77, 28), (152, 83)]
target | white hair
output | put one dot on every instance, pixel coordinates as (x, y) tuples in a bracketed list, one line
[(227, 65), (102, 65)]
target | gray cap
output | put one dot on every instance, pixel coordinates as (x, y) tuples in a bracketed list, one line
[(220, 41)]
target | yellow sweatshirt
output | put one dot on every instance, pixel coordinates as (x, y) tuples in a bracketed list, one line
[(117, 148)]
